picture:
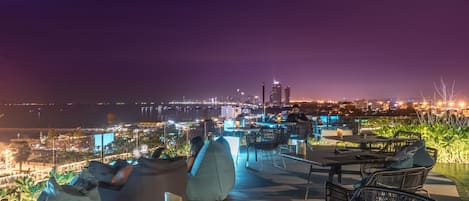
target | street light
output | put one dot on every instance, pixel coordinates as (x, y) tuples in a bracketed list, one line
[(8, 157), (462, 104), (451, 104)]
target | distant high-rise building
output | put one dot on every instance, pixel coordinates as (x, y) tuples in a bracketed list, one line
[(276, 94), (230, 112), (287, 96)]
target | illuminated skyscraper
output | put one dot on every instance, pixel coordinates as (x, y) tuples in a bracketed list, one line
[(276, 94), (286, 101)]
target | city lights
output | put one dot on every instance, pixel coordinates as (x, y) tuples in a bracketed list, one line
[(462, 104), (451, 104), (8, 158), (336, 88)]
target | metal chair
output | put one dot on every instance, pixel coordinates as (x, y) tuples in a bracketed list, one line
[(409, 180), (266, 140), (368, 169), (292, 132), (335, 192), (393, 147), (369, 193)]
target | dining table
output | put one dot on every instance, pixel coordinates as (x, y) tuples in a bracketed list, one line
[(334, 158), (366, 141)]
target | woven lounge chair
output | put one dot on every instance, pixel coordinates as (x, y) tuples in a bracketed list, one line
[(409, 180), (386, 194)]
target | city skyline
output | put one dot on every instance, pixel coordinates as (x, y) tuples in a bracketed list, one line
[(85, 51)]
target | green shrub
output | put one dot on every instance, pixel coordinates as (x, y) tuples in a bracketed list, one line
[(452, 142)]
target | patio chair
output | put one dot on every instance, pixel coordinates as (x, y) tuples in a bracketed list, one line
[(368, 169), (369, 193), (296, 131), (335, 192), (391, 149), (400, 139), (266, 140), (410, 180)]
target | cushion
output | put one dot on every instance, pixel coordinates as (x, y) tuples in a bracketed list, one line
[(404, 158), (198, 160), (55, 192), (149, 180), (402, 164), (84, 180), (225, 143), (102, 172), (422, 158), (213, 175)]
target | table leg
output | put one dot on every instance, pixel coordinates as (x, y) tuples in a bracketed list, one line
[(335, 170), (255, 151), (363, 145), (339, 174), (331, 174), (308, 182)]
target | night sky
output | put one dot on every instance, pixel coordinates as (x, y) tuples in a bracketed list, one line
[(111, 51)]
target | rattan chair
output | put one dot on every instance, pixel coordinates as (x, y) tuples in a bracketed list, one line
[(369, 193), (335, 192), (410, 180), (393, 147)]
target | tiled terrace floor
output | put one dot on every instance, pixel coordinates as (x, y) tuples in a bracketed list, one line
[(273, 183)]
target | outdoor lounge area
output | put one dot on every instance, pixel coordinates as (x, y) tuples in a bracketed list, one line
[(274, 183), (263, 169)]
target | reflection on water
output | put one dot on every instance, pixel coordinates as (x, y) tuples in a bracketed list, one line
[(93, 116), (96, 115), (459, 173)]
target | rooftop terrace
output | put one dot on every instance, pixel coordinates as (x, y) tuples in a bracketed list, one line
[(274, 183)]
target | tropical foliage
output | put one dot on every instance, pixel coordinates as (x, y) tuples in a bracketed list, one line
[(21, 153), (452, 142), (29, 190)]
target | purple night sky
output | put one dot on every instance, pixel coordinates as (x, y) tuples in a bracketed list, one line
[(63, 51)]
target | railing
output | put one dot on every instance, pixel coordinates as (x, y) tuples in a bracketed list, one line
[(43, 174)]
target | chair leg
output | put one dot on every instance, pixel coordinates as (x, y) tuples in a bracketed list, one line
[(277, 155), (426, 192), (308, 182), (284, 164), (255, 151), (262, 160), (272, 155), (247, 156)]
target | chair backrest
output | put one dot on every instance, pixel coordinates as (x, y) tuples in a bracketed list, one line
[(394, 146), (336, 192), (168, 196), (301, 129), (368, 193), (266, 135), (434, 155), (408, 135), (409, 179), (402, 138)]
